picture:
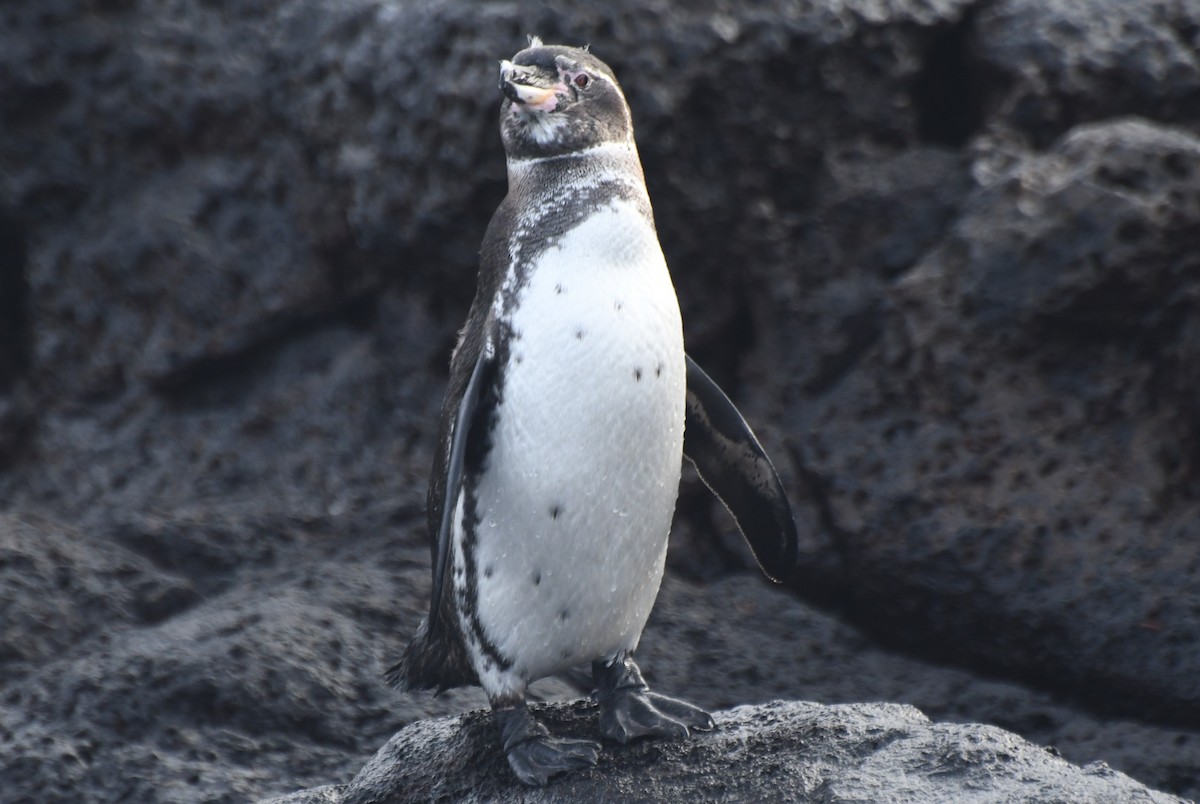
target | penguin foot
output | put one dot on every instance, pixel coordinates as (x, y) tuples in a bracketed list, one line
[(535, 756), (629, 710), (628, 714)]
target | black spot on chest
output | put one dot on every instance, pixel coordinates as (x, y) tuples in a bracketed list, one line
[(538, 220)]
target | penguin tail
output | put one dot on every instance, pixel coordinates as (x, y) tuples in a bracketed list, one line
[(431, 662)]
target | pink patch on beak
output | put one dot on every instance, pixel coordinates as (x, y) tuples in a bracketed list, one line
[(538, 99)]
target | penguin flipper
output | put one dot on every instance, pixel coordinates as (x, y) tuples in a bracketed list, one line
[(468, 406), (734, 466)]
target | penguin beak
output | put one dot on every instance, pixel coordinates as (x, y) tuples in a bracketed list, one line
[(513, 83)]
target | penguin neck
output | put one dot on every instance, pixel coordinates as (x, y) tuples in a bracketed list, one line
[(548, 197), (616, 162)]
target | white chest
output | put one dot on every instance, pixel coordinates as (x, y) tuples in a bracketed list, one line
[(577, 497)]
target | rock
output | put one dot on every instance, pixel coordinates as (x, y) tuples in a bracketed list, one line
[(60, 589), (1055, 65), (941, 252), (212, 702), (1030, 389), (779, 751)]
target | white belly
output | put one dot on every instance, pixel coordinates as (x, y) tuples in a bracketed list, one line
[(581, 480)]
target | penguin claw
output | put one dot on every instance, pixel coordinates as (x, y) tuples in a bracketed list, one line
[(630, 713), (539, 759), (535, 756), (628, 709)]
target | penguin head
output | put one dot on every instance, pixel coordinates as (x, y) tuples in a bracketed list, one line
[(559, 100)]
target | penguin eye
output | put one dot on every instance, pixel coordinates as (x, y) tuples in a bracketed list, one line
[(581, 80)]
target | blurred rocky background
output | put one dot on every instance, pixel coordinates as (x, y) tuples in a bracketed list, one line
[(945, 255)]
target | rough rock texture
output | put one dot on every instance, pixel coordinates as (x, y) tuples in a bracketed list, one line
[(943, 253), (770, 752), (1050, 430)]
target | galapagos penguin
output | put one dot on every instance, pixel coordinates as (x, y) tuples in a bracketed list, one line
[(570, 406)]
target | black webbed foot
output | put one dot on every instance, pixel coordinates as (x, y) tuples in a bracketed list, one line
[(533, 754), (629, 710)]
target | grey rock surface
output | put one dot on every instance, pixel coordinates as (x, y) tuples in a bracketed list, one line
[(1030, 413), (778, 751), (943, 254)]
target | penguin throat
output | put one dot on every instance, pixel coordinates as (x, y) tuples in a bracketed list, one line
[(544, 128)]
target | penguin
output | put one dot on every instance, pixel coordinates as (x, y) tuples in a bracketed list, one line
[(570, 405)]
